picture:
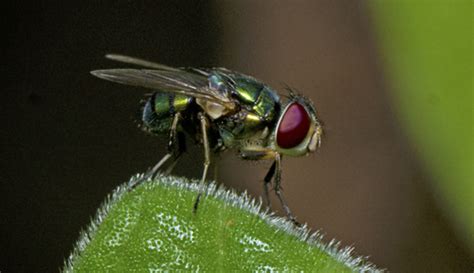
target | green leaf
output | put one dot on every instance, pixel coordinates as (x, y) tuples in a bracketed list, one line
[(426, 47), (153, 228)]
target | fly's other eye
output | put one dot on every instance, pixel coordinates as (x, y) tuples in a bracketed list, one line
[(293, 127)]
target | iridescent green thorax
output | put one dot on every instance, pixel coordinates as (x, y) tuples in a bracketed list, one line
[(258, 96), (252, 95), (260, 107)]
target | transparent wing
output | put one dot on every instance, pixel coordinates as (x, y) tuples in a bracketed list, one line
[(175, 81), (140, 62)]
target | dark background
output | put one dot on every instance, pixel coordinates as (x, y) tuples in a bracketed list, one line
[(68, 139)]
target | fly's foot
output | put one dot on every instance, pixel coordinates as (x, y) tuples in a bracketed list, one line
[(293, 220), (196, 203)]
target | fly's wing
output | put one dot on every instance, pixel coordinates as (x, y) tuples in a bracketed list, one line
[(169, 79), (140, 62)]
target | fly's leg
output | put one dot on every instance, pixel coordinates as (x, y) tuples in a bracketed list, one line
[(174, 148), (174, 151), (259, 154), (173, 164), (267, 180), (207, 158), (278, 192), (215, 170)]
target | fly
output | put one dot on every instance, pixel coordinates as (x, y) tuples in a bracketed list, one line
[(222, 109)]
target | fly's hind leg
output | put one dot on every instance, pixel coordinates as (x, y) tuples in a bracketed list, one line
[(207, 158), (175, 149)]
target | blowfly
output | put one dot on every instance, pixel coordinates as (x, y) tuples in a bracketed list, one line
[(222, 109)]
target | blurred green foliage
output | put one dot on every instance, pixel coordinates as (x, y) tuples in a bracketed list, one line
[(426, 47)]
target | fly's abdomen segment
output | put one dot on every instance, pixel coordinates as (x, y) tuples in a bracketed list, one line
[(160, 109)]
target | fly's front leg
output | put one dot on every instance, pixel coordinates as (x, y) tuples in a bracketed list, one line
[(259, 153), (207, 157), (278, 192), (266, 181)]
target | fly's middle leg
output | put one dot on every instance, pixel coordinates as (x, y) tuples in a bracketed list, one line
[(207, 157)]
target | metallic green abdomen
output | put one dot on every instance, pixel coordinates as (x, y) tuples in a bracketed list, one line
[(160, 108)]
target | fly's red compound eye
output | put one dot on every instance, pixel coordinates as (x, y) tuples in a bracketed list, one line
[(293, 127)]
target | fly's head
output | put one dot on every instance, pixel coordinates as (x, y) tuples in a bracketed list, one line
[(298, 131)]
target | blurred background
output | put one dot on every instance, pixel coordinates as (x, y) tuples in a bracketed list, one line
[(392, 82)]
